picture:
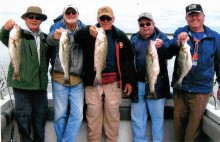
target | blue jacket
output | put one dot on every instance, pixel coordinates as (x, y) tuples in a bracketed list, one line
[(200, 78), (162, 86)]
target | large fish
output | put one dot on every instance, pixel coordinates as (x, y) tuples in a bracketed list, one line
[(152, 68), (184, 62), (65, 54), (14, 46), (100, 54)]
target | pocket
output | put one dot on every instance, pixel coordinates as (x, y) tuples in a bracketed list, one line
[(113, 97), (93, 95)]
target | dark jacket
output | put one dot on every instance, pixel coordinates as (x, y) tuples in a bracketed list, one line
[(32, 75), (162, 87), (200, 78), (76, 53), (126, 56)]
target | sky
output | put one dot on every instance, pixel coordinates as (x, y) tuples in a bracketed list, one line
[(168, 14)]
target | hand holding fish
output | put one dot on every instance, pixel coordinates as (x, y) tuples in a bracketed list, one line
[(9, 24), (93, 31), (128, 89), (57, 34), (183, 37), (158, 43)]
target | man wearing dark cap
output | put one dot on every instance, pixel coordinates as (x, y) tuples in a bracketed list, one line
[(30, 89), (68, 97), (103, 100), (191, 98), (154, 104)]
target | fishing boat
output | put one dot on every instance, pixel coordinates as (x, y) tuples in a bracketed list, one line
[(9, 131)]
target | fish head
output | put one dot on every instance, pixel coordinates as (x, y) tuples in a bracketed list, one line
[(15, 32), (65, 35), (151, 48), (184, 45), (101, 34)]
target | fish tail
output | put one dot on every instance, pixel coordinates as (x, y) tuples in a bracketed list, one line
[(97, 81), (16, 76), (177, 86), (66, 80), (151, 95)]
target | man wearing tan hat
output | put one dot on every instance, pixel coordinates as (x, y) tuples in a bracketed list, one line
[(103, 100), (30, 89), (68, 97)]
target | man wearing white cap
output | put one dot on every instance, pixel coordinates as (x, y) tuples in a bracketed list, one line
[(30, 90), (68, 98)]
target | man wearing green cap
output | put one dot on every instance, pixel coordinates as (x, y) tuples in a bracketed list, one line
[(30, 89)]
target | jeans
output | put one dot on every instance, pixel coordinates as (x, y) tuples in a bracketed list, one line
[(139, 116), (189, 109), (68, 106), (31, 110)]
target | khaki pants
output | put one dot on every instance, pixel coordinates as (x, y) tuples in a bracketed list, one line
[(103, 111), (188, 112)]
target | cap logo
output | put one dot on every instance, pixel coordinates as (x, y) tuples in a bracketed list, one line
[(193, 6)]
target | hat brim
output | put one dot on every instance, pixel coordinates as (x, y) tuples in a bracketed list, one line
[(43, 16), (105, 14), (196, 11)]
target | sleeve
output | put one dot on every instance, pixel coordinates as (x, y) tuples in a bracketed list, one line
[(217, 59), (50, 40), (4, 36)]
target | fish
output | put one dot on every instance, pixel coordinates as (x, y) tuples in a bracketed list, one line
[(100, 54), (184, 61), (152, 68), (65, 54), (14, 46)]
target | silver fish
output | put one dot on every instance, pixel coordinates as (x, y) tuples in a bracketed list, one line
[(14, 46), (184, 62), (152, 68), (101, 48), (65, 54)]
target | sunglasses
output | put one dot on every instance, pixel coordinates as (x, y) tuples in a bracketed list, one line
[(102, 18), (143, 24), (36, 17), (70, 11)]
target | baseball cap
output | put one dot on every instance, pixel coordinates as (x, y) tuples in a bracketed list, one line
[(105, 10), (70, 6), (145, 15), (193, 8)]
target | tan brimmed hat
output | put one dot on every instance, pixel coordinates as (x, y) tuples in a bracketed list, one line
[(105, 10), (34, 10)]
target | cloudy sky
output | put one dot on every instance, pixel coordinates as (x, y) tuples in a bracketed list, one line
[(168, 14)]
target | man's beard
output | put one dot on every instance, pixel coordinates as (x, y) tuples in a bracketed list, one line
[(71, 21)]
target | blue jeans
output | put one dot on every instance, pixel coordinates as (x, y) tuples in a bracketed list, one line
[(68, 106), (139, 117)]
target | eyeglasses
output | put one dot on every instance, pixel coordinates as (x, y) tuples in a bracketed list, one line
[(36, 17), (102, 18), (143, 24), (70, 11)]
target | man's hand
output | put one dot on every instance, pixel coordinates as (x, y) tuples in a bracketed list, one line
[(128, 89), (57, 34), (93, 32), (183, 37), (9, 24)]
